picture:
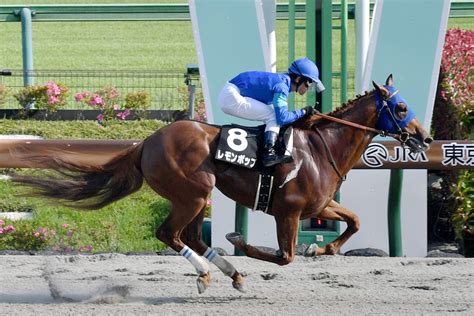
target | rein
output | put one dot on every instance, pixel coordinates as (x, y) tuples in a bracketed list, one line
[(359, 126), (401, 137)]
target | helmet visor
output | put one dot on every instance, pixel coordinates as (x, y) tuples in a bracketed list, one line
[(318, 86), (315, 86)]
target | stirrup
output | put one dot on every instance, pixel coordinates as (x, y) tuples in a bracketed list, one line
[(271, 158)]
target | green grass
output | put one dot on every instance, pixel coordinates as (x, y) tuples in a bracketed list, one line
[(120, 130), (125, 226), (162, 45), (102, 45), (157, 45)]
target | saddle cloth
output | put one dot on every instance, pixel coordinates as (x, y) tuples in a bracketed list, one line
[(243, 145)]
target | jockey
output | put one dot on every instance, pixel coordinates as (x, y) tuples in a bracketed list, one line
[(262, 96)]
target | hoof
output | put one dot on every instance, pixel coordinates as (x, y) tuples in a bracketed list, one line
[(238, 286), (311, 251), (203, 282), (238, 282), (330, 250), (234, 237)]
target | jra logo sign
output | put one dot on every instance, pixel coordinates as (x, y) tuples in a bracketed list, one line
[(376, 154), (442, 155)]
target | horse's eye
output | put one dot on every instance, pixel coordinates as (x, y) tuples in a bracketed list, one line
[(401, 110)]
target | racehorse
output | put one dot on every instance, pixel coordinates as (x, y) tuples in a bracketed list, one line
[(178, 162)]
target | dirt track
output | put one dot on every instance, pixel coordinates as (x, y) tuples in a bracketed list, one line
[(119, 284)]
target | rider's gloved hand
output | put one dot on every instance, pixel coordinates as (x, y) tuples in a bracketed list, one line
[(309, 110)]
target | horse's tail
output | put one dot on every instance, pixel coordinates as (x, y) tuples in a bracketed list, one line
[(87, 186)]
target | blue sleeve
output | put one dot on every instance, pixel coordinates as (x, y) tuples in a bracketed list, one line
[(283, 116)]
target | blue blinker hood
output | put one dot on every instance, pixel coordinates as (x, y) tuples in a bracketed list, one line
[(384, 120)]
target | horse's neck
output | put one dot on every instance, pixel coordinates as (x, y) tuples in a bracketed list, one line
[(348, 143)]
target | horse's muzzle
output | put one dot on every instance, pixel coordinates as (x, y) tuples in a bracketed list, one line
[(417, 146)]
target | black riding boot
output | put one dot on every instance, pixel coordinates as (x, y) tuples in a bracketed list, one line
[(270, 157)]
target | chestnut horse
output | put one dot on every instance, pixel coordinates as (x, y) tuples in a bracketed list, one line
[(178, 162)]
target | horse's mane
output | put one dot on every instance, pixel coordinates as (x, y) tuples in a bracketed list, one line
[(307, 123)]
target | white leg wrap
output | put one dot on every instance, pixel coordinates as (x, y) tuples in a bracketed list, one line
[(200, 264), (220, 262)]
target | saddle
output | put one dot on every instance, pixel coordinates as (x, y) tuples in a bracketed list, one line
[(243, 145)]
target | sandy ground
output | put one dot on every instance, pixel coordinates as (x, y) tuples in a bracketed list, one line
[(136, 285)]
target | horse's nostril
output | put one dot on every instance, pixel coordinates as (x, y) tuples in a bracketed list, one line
[(428, 140)]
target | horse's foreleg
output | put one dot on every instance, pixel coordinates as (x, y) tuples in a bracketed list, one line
[(226, 267), (287, 228), (192, 236), (335, 212)]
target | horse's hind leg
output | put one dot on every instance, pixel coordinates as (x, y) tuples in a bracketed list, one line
[(192, 236), (334, 211), (170, 233), (287, 229)]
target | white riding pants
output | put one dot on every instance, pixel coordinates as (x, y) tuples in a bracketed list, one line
[(232, 103)]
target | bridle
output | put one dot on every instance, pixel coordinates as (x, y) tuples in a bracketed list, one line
[(401, 136)]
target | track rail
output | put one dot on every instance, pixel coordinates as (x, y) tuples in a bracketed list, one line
[(456, 154)]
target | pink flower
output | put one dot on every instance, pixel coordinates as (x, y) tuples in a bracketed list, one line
[(1, 231), (79, 97), (52, 100), (116, 107), (100, 117), (53, 88), (124, 114), (96, 100), (36, 234), (65, 225), (10, 229)]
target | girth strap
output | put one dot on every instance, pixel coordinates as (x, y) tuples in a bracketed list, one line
[(264, 191)]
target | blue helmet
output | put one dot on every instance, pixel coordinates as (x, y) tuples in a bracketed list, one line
[(306, 68)]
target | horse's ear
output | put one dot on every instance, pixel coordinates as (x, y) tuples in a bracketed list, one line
[(380, 89), (376, 86), (389, 81)]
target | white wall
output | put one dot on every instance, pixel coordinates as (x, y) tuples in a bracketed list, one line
[(366, 193)]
